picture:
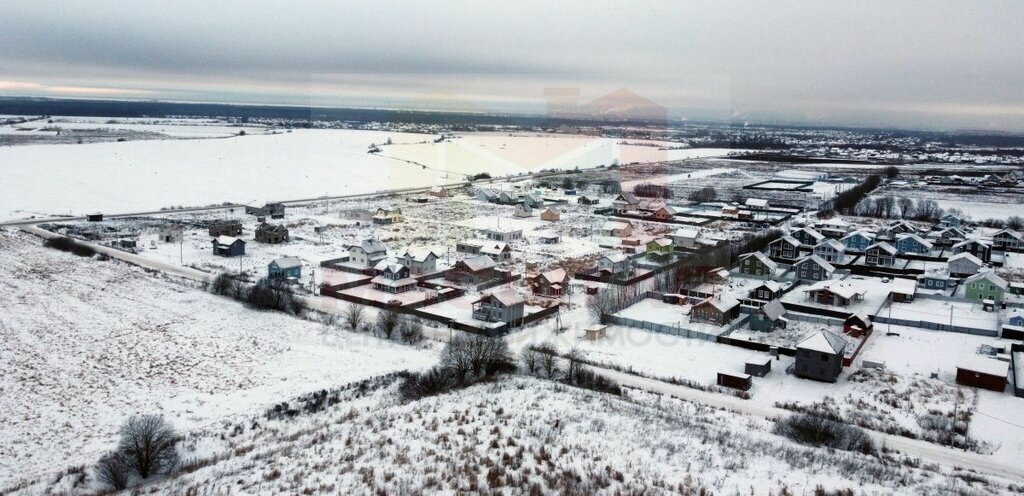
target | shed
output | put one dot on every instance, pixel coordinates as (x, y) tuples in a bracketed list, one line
[(227, 246), (96, 217), (735, 381), (982, 372), (758, 365), (595, 332)]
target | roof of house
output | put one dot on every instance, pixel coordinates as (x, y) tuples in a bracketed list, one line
[(1009, 232), (389, 265), (507, 297), (686, 232), (774, 286), (817, 260), (494, 247), (756, 202), (226, 240), (478, 263), (810, 230), (554, 276), (915, 237), (721, 303), (903, 286), (628, 197), (823, 341), (663, 242), (616, 257), (991, 277), (287, 262), (774, 310), (552, 210), (371, 246), (768, 262), (860, 316), (615, 224), (831, 243), (419, 253), (264, 227), (984, 365), (883, 246), (972, 241), (842, 288), (860, 232), (834, 222), (966, 256)]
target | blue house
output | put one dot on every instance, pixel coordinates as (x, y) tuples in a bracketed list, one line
[(858, 240), (284, 268), (226, 246), (912, 243)]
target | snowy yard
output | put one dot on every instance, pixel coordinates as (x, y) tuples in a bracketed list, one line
[(88, 343)]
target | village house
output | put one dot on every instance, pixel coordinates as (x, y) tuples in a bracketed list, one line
[(171, 233), (533, 200), (820, 356), (786, 247), (985, 285), (964, 264), (508, 198), (858, 240), (274, 210), (472, 271), (769, 317), (895, 229), (807, 236), (227, 246), (225, 228), (387, 216), (757, 264), (506, 306), (551, 283), (982, 372), (617, 228), (550, 214), (718, 310), (980, 249), (506, 235), (880, 254), (271, 233), (936, 280), (617, 265), (497, 250), (664, 213), (659, 249), (522, 211), (813, 268), (419, 260), (950, 220), (766, 291), (285, 268), (830, 250), (367, 253), (1008, 239), (833, 228), (625, 202), (912, 243), (392, 277), (486, 195), (834, 293), (688, 238), (437, 192), (756, 204), (949, 236), (586, 200)]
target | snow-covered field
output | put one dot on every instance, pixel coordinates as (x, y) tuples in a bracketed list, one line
[(524, 435), (86, 343), (136, 176)]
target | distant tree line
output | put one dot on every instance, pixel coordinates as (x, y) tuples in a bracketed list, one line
[(649, 190), (846, 201)]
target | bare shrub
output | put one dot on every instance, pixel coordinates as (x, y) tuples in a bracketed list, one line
[(113, 470), (531, 359), (148, 444), (411, 331), (388, 322), (818, 431), (432, 382)]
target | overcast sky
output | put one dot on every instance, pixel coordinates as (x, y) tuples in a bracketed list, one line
[(932, 64)]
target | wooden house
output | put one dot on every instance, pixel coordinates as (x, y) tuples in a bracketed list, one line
[(586, 200), (617, 265), (1008, 239), (274, 210), (506, 235), (807, 236), (949, 236), (718, 310), (950, 220), (550, 214), (858, 240), (367, 253), (387, 216), (473, 270), (880, 254), (617, 229), (419, 260), (986, 285), (486, 195), (813, 268), (834, 228), (437, 192), (983, 372), (271, 233), (551, 283), (625, 202), (766, 291), (857, 324), (659, 249), (225, 228), (834, 293), (912, 243), (523, 211), (820, 356), (964, 264), (757, 264), (392, 277), (506, 306), (688, 238), (227, 246), (285, 268), (980, 249), (786, 247), (769, 317)]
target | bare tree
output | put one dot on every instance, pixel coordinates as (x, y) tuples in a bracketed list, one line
[(531, 359), (113, 470), (906, 207), (148, 444), (354, 314), (411, 331), (548, 359), (476, 356), (388, 321), (601, 304), (575, 357)]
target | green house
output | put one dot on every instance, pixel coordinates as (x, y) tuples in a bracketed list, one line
[(660, 249), (985, 286), (757, 264)]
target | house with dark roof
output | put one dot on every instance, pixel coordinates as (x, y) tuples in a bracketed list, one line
[(980, 249), (506, 306), (625, 202), (834, 293), (274, 210), (227, 246), (807, 236), (820, 356)]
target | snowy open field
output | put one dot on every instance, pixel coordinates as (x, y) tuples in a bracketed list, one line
[(147, 175), (87, 343)]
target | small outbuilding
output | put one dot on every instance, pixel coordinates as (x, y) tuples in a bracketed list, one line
[(284, 268), (96, 217), (734, 381), (758, 366), (227, 246), (983, 372), (595, 332)]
